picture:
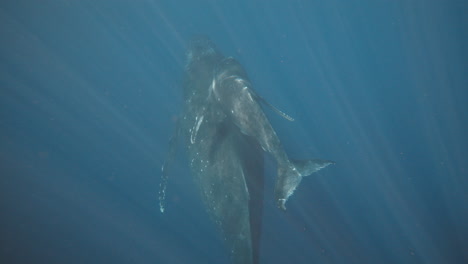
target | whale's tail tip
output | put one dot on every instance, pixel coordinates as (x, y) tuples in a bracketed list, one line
[(290, 176)]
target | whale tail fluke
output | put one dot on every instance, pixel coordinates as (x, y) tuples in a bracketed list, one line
[(290, 176)]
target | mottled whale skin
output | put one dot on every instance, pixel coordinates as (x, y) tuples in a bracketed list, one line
[(226, 134)]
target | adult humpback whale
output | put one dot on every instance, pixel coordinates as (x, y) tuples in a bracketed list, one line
[(226, 134)]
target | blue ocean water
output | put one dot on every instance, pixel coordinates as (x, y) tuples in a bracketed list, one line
[(89, 94)]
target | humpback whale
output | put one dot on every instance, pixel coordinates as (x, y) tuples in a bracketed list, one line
[(226, 134)]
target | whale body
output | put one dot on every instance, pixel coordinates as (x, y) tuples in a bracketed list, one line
[(226, 134)]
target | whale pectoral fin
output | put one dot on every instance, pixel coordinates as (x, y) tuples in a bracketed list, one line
[(260, 99), (164, 169), (276, 110), (290, 176)]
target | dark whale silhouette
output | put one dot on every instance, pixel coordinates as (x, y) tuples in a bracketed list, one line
[(226, 134)]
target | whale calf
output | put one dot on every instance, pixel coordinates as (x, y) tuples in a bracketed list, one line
[(226, 134)]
